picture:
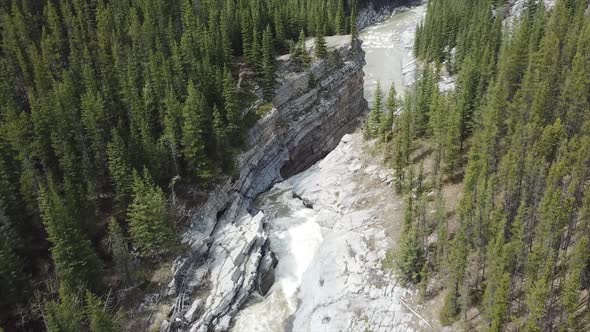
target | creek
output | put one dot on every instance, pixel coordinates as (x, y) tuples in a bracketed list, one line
[(330, 225)]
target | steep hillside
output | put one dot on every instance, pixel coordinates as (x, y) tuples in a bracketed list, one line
[(511, 251)]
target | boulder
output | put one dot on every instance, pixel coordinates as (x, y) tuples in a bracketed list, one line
[(266, 270)]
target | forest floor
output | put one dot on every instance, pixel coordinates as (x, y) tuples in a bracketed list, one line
[(429, 303)]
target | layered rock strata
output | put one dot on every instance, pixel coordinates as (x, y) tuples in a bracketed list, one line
[(312, 110)]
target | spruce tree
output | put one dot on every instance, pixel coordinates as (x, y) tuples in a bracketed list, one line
[(570, 297), (410, 259), (353, 27), (193, 135), (231, 107), (67, 313), (376, 114), (120, 170), (340, 24), (119, 248), (150, 224), (320, 50), (390, 112), (300, 56), (12, 277), (75, 261), (100, 320), (257, 53), (221, 141), (268, 64)]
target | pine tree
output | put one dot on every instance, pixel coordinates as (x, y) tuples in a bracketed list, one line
[(65, 314), (353, 27), (320, 50), (300, 56), (150, 226), (120, 170), (231, 107), (172, 126), (257, 53), (390, 112), (119, 249), (193, 135), (571, 290), (268, 64), (376, 114), (12, 285), (75, 261), (221, 142), (100, 320), (410, 257), (280, 33), (452, 142), (247, 38), (438, 127), (340, 17)]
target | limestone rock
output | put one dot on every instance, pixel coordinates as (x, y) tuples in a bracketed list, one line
[(191, 314), (306, 123), (266, 270)]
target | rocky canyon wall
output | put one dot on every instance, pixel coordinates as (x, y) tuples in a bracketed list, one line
[(312, 110)]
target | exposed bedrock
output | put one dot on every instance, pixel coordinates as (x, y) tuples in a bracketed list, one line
[(228, 260)]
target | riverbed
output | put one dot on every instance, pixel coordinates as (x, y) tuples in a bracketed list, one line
[(333, 226)]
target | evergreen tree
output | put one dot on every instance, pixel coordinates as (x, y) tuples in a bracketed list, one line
[(65, 314), (193, 136), (99, 319), (149, 219), (321, 50), (353, 27), (119, 249), (571, 291), (221, 140), (410, 257), (75, 262), (268, 66), (340, 24), (375, 116), (299, 55), (12, 285), (120, 170), (232, 112), (517, 115), (390, 112), (90, 90)]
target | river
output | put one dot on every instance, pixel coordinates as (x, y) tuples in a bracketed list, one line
[(332, 226)]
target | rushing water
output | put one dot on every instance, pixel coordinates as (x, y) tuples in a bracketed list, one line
[(309, 242)]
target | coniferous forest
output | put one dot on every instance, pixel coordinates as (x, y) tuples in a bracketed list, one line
[(514, 136), (108, 110), (115, 113)]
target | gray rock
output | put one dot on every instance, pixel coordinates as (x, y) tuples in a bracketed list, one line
[(266, 270), (165, 326), (227, 262), (191, 315)]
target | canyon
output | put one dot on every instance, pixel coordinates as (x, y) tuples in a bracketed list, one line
[(227, 237)]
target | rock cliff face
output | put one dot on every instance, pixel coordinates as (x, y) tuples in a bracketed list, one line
[(311, 112)]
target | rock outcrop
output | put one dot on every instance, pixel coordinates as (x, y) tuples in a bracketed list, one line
[(516, 7), (312, 110)]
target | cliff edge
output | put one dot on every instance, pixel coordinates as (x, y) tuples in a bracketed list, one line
[(229, 258)]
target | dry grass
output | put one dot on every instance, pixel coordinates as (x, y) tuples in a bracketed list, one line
[(452, 188)]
